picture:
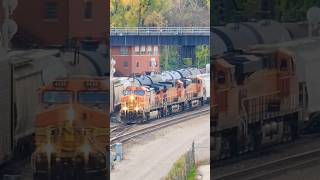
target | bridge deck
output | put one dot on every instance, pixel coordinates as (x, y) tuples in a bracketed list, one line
[(160, 31)]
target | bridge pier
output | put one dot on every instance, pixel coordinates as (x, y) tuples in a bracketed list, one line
[(186, 52)]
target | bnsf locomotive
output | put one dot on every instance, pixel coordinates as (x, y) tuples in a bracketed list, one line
[(155, 96), (263, 96), (71, 132)]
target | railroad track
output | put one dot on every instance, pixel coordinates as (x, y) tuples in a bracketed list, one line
[(119, 127), (113, 128), (274, 168), (159, 125)]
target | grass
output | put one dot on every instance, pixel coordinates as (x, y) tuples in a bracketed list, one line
[(177, 168), (192, 174)]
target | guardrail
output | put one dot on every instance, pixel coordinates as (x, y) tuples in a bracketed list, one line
[(121, 31)]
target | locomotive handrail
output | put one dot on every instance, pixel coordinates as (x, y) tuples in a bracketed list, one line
[(121, 31)]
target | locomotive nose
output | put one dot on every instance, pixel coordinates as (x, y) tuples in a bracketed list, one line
[(131, 98)]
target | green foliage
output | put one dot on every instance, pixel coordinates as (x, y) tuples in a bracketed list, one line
[(157, 13), (132, 13), (202, 56), (192, 174), (293, 10), (168, 58), (280, 10), (187, 62), (178, 169)]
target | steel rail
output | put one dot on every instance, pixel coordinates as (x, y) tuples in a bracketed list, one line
[(154, 127), (273, 168)]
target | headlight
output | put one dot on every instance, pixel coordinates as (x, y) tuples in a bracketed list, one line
[(85, 148), (136, 108), (49, 148), (125, 108)]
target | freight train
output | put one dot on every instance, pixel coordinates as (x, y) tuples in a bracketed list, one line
[(21, 75), (268, 94), (119, 84), (71, 130), (242, 35), (159, 95)]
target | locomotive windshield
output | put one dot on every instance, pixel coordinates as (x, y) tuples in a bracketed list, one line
[(136, 92), (93, 97), (126, 92), (139, 92), (57, 97)]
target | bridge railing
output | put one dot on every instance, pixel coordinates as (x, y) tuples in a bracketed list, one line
[(121, 31)]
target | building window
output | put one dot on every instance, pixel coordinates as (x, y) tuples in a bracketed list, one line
[(143, 50), (149, 50), (51, 9), (155, 49), (123, 51), (136, 49), (88, 10), (137, 65), (125, 64)]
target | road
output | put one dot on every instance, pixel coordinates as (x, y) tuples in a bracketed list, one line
[(152, 156), (204, 172)]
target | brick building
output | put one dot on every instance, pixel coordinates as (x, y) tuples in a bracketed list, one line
[(135, 59), (53, 22)]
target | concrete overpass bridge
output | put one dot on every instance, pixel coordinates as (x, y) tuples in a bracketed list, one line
[(185, 38)]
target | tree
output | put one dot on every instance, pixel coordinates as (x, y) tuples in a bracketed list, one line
[(281, 10), (189, 13), (168, 58), (133, 13), (160, 13), (202, 56)]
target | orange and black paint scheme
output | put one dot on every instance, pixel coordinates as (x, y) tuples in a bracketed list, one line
[(254, 101), (72, 128), (141, 103)]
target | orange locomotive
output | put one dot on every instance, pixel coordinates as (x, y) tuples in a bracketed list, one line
[(140, 103), (255, 101), (72, 130)]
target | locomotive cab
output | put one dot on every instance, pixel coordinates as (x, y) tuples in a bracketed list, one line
[(71, 130), (255, 101), (133, 104)]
